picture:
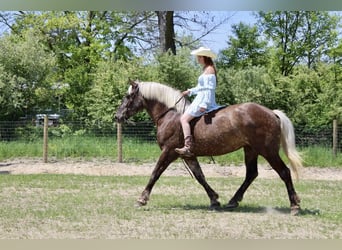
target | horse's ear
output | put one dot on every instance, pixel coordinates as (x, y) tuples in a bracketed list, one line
[(131, 82)]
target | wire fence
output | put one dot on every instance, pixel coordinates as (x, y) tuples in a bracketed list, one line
[(144, 132)]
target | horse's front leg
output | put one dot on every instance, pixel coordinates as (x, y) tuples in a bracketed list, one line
[(198, 173), (167, 156)]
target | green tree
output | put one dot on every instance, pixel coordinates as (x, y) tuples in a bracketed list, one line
[(178, 71), (80, 40), (245, 48), (253, 84), (110, 87), (298, 36), (25, 75)]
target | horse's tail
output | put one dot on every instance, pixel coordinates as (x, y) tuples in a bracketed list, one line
[(288, 142)]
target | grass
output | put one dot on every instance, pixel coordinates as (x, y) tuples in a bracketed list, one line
[(321, 157), (79, 206), (134, 150)]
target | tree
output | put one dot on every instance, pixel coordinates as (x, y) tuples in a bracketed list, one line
[(298, 36), (25, 74), (334, 93), (80, 41), (320, 31), (178, 71), (193, 22), (245, 48), (166, 31)]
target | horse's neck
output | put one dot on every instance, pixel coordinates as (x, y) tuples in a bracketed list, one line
[(155, 109)]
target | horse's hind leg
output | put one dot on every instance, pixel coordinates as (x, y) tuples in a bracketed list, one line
[(197, 171), (251, 161), (284, 172)]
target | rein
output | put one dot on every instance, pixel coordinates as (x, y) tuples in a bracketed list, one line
[(164, 113), (169, 109)]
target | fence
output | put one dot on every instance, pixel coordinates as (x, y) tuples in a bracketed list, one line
[(329, 136)]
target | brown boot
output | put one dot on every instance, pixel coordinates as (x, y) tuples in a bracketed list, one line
[(186, 150)]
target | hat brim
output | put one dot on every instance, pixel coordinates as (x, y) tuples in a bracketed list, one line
[(203, 52)]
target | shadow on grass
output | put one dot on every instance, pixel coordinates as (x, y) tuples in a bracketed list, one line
[(244, 209), (5, 164)]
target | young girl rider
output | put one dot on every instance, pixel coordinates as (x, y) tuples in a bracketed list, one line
[(204, 100)]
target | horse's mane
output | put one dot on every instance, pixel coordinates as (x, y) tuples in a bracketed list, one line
[(164, 94)]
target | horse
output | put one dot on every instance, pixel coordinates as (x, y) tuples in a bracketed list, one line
[(253, 127)]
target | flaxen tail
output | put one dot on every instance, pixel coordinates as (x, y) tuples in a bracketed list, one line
[(288, 142)]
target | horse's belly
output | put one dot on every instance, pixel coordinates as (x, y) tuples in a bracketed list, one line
[(217, 145)]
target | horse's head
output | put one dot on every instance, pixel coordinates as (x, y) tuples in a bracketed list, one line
[(131, 103)]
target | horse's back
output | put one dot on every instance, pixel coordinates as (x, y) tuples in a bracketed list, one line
[(244, 114), (236, 126)]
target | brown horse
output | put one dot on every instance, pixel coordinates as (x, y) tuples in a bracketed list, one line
[(256, 129)]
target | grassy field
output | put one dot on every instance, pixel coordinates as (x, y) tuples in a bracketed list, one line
[(88, 147), (102, 207), (48, 206)]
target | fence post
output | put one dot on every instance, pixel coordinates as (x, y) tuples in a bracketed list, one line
[(119, 141), (45, 139), (335, 137)]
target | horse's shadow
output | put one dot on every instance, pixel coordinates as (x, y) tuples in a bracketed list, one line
[(239, 209), (5, 165), (248, 209)]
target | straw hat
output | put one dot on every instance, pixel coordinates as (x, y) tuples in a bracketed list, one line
[(201, 51)]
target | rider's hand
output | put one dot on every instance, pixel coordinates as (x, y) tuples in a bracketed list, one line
[(186, 92), (202, 110)]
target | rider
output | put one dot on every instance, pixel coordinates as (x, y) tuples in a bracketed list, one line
[(204, 100)]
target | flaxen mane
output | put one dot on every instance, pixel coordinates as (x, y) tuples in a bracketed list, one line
[(164, 94)]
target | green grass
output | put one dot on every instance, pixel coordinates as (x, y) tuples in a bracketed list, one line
[(78, 206), (88, 147), (321, 157)]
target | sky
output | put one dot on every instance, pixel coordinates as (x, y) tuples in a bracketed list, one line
[(217, 40)]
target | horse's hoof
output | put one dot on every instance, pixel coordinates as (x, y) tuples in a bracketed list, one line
[(141, 202), (231, 205), (215, 206), (295, 210)]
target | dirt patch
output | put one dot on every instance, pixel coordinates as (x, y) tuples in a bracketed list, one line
[(110, 168)]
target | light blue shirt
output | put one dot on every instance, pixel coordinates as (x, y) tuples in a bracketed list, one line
[(205, 95)]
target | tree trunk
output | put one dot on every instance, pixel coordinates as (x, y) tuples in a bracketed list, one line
[(166, 31)]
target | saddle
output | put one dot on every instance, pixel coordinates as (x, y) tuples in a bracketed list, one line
[(208, 116)]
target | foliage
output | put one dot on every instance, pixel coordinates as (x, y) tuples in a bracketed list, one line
[(316, 96), (252, 84), (111, 84), (81, 61), (299, 36), (309, 97), (178, 71), (25, 70), (245, 48)]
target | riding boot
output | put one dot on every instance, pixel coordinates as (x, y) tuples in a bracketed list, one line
[(186, 150)]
